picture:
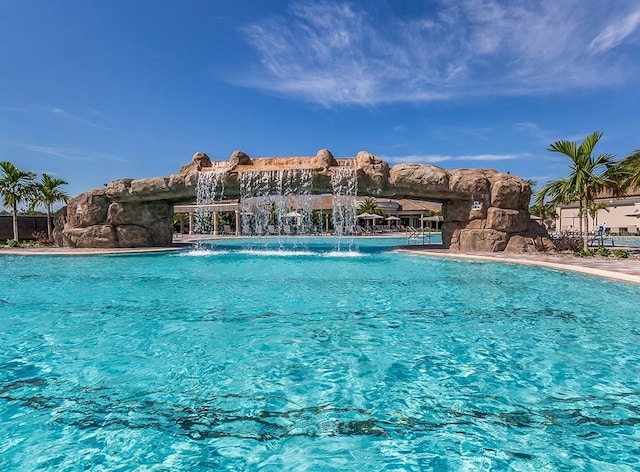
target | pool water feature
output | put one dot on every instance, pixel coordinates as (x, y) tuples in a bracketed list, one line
[(245, 357)]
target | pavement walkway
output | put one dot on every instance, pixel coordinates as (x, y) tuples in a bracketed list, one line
[(627, 270)]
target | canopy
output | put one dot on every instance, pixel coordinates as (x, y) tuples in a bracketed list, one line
[(392, 218), (369, 216)]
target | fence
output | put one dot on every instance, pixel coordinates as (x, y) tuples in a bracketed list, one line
[(27, 225)]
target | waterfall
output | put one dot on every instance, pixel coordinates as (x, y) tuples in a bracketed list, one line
[(209, 189), (276, 202), (345, 188)]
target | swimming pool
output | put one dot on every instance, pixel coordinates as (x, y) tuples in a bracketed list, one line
[(251, 357)]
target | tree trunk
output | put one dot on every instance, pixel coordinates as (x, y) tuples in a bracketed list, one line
[(585, 234), (48, 221), (15, 222)]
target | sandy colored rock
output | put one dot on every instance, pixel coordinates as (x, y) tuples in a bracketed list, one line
[(484, 210), (510, 221)]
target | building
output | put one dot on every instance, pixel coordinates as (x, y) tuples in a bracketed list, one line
[(621, 215), (409, 213)]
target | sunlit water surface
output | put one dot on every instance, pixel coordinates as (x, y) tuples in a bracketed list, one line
[(308, 356)]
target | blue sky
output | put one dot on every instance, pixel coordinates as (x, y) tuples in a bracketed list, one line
[(92, 91)]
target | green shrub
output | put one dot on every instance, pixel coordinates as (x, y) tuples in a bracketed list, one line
[(13, 243), (603, 251), (621, 253)]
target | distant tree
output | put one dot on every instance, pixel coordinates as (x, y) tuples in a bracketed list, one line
[(588, 176), (15, 187), (593, 208), (47, 193), (369, 205), (545, 211)]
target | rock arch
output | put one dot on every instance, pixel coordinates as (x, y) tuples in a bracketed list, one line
[(483, 210)]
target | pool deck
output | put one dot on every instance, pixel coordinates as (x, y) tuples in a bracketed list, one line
[(627, 270)]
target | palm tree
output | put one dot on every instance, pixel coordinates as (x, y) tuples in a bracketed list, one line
[(369, 205), (545, 211), (588, 176), (627, 171), (15, 186), (47, 192), (592, 210)]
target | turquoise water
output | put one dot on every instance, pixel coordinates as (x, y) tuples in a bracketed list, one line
[(246, 357)]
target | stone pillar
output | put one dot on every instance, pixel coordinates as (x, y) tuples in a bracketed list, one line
[(181, 223), (237, 222), (190, 222), (215, 223)]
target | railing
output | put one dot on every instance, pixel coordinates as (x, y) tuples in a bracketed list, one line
[(418, 236)]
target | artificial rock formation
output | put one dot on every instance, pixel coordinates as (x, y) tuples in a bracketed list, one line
[(483, 210)]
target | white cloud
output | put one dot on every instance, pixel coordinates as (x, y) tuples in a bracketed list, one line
[(66, 153), (52, 151), (337, 53), (69, 116), (490, 157), (439, 158), (417, 159), (615, 32)]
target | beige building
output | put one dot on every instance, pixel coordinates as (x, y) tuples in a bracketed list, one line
[(621, 216)]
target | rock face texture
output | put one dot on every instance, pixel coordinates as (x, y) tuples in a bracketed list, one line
[(483, 210)]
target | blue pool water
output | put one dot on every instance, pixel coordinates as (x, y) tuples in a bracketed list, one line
[(298, 357)]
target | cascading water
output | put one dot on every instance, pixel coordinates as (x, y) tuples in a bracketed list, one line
[(209, 189), (276, 202), (345, 188)]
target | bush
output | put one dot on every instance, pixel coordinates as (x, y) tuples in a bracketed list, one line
[(582, 253), (13, 243), (42, 239), (603, 251), (621, 253)]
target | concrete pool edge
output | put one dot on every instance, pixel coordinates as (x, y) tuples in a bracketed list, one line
[(622, 270)]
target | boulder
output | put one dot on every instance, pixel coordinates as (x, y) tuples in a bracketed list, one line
[(373, 173), (324, 160), (418, 180), (510, 191), (482, 240), (510, 221)]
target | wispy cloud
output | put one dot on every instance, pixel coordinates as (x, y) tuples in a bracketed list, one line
[(616, 32), (440, 158), (491, 157), (52, 151), (66, 153), (337, 53), (77, 119)]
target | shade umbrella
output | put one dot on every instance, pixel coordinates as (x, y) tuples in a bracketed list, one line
[(369, 216), (293, 214), (391, 218), (636, 212)]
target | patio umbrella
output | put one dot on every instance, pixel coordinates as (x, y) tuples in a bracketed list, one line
[(293, 214), (368, 216), (635, 212), (391, 218)]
